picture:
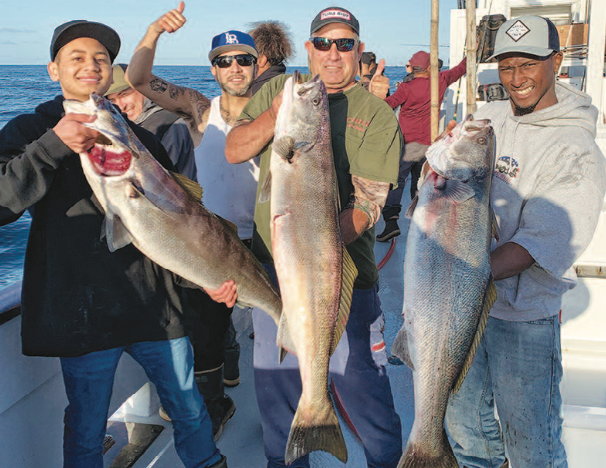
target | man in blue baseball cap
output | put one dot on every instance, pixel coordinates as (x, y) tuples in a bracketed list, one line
[(547, 191), (229, 190)]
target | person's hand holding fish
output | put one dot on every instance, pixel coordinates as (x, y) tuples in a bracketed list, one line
[(171, 21), (227, 293), (74, 134)]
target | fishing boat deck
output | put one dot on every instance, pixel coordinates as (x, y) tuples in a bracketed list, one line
[(241, 440), (33, 399)]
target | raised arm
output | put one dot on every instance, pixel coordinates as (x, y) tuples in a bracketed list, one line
[(188, 103)]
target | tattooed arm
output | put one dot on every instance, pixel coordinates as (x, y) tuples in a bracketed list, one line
[(190, 104), (364, 208)]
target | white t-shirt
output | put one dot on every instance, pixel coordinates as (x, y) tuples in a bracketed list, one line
[(229, 189)]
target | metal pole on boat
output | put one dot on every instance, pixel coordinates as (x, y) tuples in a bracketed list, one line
[(433, 67), (470, 45)]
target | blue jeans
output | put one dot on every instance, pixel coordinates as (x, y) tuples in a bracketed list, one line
[(357, 369), (169, 365), (518, 368)]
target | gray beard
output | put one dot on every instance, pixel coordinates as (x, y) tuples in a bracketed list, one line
[(236, 93)]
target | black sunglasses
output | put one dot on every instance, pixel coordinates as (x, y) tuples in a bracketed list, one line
[(324, 44), (225, 61)]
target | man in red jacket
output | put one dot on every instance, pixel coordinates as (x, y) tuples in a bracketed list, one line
[(414, 97)]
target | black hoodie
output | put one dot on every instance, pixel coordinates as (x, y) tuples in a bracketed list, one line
[(77, 296)]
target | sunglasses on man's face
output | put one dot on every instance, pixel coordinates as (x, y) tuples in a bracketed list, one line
[(225, 61), (324, 44)]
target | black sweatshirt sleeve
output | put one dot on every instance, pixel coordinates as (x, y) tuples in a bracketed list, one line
[(29, 155)]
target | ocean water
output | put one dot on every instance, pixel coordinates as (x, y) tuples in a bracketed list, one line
[(22, 88)]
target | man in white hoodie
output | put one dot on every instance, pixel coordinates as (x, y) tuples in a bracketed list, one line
[(547, 190)]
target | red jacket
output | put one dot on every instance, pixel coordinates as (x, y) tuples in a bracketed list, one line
[(415, 99)]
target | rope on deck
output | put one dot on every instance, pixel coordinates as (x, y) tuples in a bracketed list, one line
[(392, 247)]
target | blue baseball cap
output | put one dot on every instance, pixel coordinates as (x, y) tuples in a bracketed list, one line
[(232, 40)]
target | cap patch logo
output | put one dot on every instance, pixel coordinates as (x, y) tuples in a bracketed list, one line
[(517, 31), (335, 14), (231, 39)]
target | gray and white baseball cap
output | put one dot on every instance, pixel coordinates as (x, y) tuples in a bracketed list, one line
[(528, 34)]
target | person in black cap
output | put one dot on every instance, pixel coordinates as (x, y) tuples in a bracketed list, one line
[(547, 191), (229, 191), (366, 147), (81, 302)]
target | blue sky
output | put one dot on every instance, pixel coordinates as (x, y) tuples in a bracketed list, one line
[(393, 29)]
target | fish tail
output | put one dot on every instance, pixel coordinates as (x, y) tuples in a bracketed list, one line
[(417, 456), (315, 427)]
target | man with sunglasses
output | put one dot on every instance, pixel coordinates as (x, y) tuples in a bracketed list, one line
[(547, 189), (229, 190), (366, 147)]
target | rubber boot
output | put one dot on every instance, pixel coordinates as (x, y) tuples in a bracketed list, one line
[(391, 229), (221, 463), (231, 374), (220, 407)]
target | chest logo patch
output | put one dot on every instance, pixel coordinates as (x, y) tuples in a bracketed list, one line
[(506, 169)]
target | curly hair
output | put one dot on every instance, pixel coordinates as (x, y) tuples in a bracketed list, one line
[(273, 39)]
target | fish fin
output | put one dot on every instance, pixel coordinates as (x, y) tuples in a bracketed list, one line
[(494, 225), (116, 234), (265, 192), (490, 296), (399, 348), (315, 427), (411, 208), (458, 192), (190, 186), (418, 456), (284, 147), (350, 273), (166, 205), (284, 340), (228, 224)]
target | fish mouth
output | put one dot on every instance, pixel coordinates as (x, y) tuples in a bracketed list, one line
[(109, 161)]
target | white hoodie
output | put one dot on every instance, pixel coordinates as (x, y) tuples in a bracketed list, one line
[(547, 192)]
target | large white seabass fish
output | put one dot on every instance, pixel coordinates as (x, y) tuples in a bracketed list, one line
[(448, 288), (162, 214)]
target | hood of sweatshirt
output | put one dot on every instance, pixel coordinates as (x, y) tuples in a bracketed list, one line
[(52, 109), (573, 108)]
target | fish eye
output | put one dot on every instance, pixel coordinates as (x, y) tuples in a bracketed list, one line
[(315, 101), (482, 141)]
